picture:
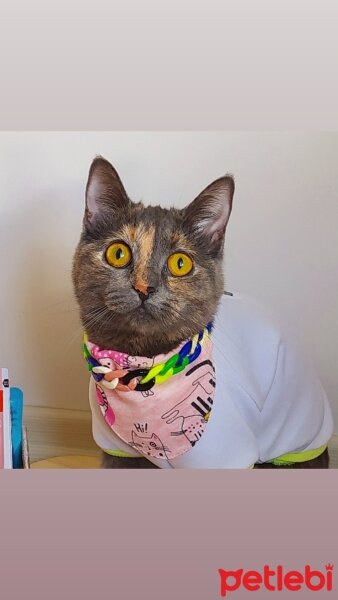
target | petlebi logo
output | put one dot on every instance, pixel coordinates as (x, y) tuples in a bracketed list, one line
[(276, 579)]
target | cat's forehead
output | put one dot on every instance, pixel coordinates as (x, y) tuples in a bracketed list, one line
[(154, 216), (152, 226), (148, 229)]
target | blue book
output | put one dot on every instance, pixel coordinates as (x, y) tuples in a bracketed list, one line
[(16, 402)]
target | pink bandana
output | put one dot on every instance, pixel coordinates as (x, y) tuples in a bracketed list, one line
[(166, 420)]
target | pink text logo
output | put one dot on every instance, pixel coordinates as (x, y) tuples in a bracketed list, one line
[(276, 579)]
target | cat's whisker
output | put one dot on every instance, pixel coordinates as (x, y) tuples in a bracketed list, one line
[(102, 318), (76, 337), (96, 314)]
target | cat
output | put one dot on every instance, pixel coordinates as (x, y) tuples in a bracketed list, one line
[(142, 309)]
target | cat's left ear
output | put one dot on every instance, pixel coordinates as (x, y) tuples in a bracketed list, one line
[(207, 216)]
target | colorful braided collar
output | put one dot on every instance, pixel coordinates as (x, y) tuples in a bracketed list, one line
[(118, 374)]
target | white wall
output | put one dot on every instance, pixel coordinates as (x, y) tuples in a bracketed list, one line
[(282, 242)]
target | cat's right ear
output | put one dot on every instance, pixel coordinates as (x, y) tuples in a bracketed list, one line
[(104, 191)]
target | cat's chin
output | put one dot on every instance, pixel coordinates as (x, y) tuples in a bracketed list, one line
[(143, 314)]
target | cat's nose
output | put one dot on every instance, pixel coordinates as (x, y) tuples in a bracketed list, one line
[(143, 290)]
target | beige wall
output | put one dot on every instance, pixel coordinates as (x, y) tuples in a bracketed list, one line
[(282, 242)]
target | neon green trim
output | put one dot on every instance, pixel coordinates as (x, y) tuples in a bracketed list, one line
[(120, 453), (163, 371), (295, 457)]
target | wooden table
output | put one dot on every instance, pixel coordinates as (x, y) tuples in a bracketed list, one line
[(68, 462)]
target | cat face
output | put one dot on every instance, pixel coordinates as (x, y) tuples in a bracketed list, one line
[(147, 278), (135, 363), (149, 446)]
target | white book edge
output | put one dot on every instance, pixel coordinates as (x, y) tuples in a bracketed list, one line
[(8, 463)]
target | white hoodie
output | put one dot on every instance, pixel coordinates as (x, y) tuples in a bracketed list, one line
[(268, 400)]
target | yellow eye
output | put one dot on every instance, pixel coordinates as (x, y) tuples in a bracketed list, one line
[(118, 255), (180, 264)]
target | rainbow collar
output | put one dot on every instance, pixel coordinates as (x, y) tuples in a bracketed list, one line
[(125, 373)]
